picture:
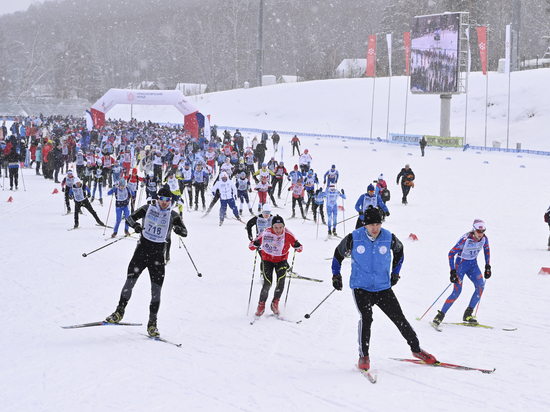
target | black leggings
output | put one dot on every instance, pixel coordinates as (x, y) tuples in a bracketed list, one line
[(388, 303), (267, 268), (146, 257)]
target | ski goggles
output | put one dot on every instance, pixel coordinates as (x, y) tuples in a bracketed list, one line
[(165, 198)]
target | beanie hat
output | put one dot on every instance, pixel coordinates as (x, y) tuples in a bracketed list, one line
[(370, 188), (164, 192), (372, 216), (479, 225), (381, 177), (277, 219)]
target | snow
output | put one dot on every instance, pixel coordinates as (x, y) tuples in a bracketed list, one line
[(228, 365)]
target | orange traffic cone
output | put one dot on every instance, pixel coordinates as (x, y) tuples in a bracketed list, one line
[(55, 191), (413, 237), (10, 199)]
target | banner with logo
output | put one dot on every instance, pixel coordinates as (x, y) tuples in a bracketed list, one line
[(140, 97), (482, 40), (371, 56), (405, 138), (444, 141)]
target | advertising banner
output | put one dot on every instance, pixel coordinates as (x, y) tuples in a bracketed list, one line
[(444, 141), (482, 40), (371, 56), (405, 138)]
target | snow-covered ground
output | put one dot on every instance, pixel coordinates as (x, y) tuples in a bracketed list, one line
[(225, 364)]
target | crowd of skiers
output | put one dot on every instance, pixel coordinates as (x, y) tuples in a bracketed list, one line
[(154, 172)]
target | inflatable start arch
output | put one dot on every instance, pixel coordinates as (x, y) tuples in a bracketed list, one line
[(142, 97)]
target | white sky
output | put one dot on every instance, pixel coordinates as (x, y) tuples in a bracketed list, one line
[(11, 6)]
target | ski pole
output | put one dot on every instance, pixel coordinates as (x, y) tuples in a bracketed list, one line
[(308, 315), (252, 282), (23, 179), (420, 318), (108, 244), (344, 215), (183, 243), (290, 276), (286, 199), (108, 212), (354, 216)]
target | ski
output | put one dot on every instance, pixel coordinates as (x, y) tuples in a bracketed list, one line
[(279, 317), (117, 237), (477, 325), (68, 213), (110, 227), (445, 365), (294, 275), (159, 339), (367, 374), (101, 323), (436, 327)]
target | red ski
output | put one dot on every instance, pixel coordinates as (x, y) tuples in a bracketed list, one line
[(445, 365)]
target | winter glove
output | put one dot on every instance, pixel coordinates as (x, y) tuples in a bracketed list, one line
[(342, 191), (298, 246), (388, 213), (394, 279), (337, 282), (361, 213), (454, 276), (487, 273), (289, 189), (180, 231), (138, 228)]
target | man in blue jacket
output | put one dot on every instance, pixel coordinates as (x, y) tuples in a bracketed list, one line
[(373, 273)]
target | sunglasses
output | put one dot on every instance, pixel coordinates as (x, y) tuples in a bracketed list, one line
[(165, 199), (480, 231)]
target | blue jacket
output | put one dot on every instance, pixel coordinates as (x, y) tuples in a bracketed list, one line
[(371, 261)]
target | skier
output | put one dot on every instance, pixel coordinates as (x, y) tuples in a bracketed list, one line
[(262, 188), (97, 177), (274, 243), (158, 221), (407, 176), (200, 182), (276, 138), (80, 200), (466, 251), (295, 145), (277, 180), (373, 274), (243, 188), (228, 194), (187, 180), (547, 220), (66, 184), (318, 205), (382, 188), (332, 196), (331, 176), (123, 196), (309, 184), (297, 197), (150, 184), (370, 200), (262, 222), (305, 162)]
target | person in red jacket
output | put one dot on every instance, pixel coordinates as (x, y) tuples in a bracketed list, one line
[(274, 243)]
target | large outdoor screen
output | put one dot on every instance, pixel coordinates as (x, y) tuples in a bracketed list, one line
[(434, 53)]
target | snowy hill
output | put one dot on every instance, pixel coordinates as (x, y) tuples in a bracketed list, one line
[(225, 364)]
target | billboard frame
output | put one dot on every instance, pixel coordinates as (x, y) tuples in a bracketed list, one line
[(462, 54)]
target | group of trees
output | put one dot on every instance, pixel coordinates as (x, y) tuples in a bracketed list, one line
[(84, 47)]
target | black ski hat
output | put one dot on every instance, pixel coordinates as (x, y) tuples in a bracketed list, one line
[(277, 219), (164, 192), (372, 216)]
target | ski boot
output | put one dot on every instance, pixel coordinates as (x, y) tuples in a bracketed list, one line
[(425, 356), (92, 199), (116, 316), (114, 234), (240, 212), (438, 318), (250, 211), (101, 201), (364, 363), (275, 306), (152, 329), (334, 232), (261, 309), (468, 318)]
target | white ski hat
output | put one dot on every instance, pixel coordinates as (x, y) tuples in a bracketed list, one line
[(266, 208), (479, 225)]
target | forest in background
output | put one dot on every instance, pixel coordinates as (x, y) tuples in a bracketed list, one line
[(81, 48)]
